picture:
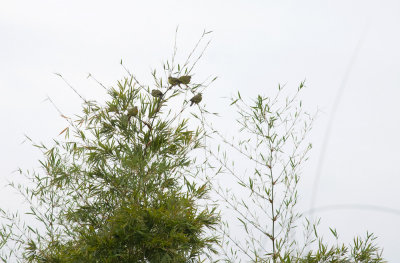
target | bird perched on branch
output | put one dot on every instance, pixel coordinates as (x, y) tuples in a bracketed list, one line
[(173, 81), (185, 79), (133, 111), (196, 99), (156, 93)]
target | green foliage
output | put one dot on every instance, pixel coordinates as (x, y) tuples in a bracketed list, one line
[(123, 185), (118, 188), (271, 144)]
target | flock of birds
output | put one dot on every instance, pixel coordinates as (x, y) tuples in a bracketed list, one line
[(185, 80)]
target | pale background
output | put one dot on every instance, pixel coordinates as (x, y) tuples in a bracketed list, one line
[(255, 46)]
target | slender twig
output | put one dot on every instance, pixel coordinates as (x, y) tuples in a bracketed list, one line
[(98, 82), (76, 92)]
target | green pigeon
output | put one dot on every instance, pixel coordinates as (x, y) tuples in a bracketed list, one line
[(196, 99), (133, 111), (156, 93), (185, 79), (173, 81)]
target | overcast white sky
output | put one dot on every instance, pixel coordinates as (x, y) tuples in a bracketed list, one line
[(255, 46)]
